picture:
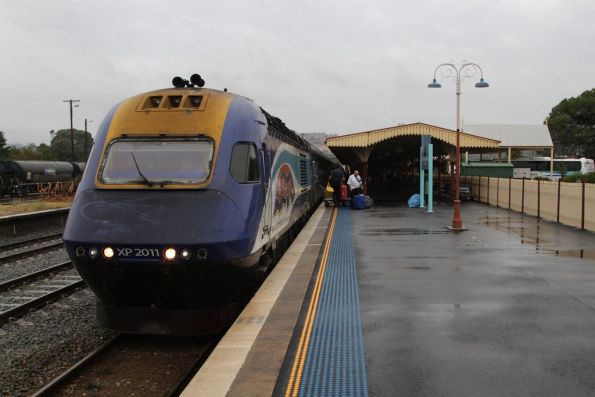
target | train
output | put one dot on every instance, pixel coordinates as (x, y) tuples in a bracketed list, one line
[(189, 198), (24, 177)]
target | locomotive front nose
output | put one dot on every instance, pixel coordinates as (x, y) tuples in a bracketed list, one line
[(172, 225)]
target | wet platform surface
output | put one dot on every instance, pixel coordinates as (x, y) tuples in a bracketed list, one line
[(504, 309)]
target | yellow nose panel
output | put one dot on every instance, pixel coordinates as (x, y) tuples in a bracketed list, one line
[(169, 113)]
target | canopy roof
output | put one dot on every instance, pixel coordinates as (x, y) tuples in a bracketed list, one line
[(514, 135), (369, 138)]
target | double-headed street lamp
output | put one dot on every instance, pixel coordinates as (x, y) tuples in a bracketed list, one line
[(86, 153), (71, 101), (470, 69)]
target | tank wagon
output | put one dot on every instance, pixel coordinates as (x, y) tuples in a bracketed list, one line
[(189, 194), (23, 177)]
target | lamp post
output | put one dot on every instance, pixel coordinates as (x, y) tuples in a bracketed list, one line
[(469, 68), (86, 152), (71, 128)]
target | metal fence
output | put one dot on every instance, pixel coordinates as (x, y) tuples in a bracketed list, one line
[(568, 203)]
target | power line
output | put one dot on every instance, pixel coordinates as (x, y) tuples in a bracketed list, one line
[(29, 99)]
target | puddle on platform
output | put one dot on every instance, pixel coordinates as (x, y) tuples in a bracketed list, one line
[(580, 253), (402, 232), (529, 234), (428, 257), (388, 215), (532, 235), (417, 267)]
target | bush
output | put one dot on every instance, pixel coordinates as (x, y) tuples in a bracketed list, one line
[(587, 178)]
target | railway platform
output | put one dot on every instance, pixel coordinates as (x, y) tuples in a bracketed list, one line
[(387, 302)]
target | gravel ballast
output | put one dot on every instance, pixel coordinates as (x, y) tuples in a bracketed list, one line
[(39, 346)]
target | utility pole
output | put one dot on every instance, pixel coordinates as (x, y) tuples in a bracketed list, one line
[(71, 128)]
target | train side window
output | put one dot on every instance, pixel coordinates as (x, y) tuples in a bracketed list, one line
[(244, 166)]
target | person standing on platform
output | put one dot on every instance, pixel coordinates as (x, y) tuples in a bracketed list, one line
[(336, 179), (355, 184)]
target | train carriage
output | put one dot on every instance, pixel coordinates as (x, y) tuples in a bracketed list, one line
[(188, 195), (23, 177)]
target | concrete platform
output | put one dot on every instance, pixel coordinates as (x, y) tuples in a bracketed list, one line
[(505, 308)]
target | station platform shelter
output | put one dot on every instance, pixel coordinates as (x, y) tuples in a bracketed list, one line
[(387, 302), (388, 159)]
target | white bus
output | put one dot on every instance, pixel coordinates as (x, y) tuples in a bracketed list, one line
[(540, 167)]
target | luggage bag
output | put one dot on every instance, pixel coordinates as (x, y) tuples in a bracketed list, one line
[(343, 192)]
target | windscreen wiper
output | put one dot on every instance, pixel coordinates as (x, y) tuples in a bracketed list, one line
[(143, 178)]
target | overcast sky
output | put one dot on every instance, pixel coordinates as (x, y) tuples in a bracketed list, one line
[(321, 66)]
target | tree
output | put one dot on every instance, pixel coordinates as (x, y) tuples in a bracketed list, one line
[(4, 150), (60, 145), (45, 151), (27, 152), (572, 125)]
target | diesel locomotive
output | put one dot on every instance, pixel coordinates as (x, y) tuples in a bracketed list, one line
[(189, 195)]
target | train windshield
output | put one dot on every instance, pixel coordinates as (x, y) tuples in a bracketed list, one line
[(157, 162)]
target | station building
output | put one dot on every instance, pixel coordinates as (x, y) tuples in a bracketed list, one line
[(388, 158)]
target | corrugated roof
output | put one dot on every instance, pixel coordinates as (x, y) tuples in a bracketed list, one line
[(513, 135), (369, 138)]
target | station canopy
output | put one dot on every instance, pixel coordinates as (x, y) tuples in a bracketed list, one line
[(358, 146), (514, 135)]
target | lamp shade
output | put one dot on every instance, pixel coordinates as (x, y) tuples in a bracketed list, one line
[(433, 84), (482, 84)]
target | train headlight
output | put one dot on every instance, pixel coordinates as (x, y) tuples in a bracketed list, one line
[(108, 252), (80, 251), (170, 253), (93, 253), (202, 253), (185, 254)]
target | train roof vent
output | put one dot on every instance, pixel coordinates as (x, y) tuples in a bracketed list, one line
[(152, 102), (193, 101), (168, 103), (173, 101)]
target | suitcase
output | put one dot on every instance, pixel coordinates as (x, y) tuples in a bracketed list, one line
[(368, 202), (358, 202), (343, 192)]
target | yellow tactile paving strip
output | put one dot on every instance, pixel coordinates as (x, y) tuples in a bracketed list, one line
[(298, 364), (221, 369)]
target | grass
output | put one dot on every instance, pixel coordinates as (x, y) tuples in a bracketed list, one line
[(19, 207), (587, 178)]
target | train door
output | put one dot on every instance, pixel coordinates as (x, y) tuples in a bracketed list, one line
[(315, 184), (269, 199)]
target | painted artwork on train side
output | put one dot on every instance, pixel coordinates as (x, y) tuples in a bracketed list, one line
[(285, 191)]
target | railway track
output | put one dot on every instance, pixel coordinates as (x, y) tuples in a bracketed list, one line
[(12, 283), (22, 294), (29, 252), (24, 243), (18, 200), (135, 358)]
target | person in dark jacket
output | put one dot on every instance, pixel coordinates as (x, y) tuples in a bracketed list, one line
[(336, 179)]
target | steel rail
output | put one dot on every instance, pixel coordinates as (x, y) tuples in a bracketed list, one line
[(9, 284), (185, 379), (62, 379), (79, 365), (26, 254), (40, 301), (10, 246)]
